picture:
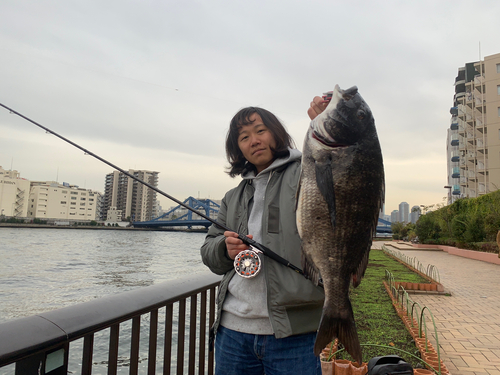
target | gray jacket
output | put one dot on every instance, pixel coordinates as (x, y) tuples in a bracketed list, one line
[(294, 303)]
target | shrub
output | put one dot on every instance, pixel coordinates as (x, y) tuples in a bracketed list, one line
[(428, 228), (489, 247)]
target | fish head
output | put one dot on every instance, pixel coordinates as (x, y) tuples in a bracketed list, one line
[(345, 122)]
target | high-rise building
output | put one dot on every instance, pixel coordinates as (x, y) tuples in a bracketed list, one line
[(394, 216), (414, 214), (473, 142), (404, 212), (14, 194), (135, 200)]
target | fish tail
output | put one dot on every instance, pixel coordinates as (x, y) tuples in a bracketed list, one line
[(339, 324)]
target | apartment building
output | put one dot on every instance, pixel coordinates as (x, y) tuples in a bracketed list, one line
[(51, 200), (132, 198), (415, 214), (473, 141), (404, 212), (395, 216), (14, 194)]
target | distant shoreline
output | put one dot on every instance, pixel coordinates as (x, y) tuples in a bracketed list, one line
[(102, 227), (97, 227)]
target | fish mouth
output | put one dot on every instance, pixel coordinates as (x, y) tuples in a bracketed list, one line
[(329, 143), (319, 133)]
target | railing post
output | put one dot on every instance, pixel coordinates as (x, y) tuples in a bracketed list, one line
[(53, 362), (88, 350)]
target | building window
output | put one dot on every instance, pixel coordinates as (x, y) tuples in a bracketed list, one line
[(498, 111), (82, 199), (65, 192), (498, 68), (74, 192), (62, 202)]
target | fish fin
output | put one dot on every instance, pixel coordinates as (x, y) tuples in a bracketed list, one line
[(360, 272), (324, 181), (334, 325), (310, 270)]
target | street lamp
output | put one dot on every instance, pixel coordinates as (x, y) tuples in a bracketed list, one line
[(449, 193)]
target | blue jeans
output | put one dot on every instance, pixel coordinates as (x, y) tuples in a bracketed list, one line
[(238, 353)]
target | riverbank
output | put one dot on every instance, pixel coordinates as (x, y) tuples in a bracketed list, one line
[(98, 227)]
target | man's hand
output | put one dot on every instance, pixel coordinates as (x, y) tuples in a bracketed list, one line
[(318, 105), (234, 245)]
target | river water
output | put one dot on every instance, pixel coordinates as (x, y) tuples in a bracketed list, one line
[(46, 269)]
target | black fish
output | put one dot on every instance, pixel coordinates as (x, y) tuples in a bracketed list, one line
[(340, 195)]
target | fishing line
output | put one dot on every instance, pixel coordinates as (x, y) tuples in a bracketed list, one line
[(246, 265)]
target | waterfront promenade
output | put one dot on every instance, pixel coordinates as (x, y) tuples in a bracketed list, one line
[(468, 321)]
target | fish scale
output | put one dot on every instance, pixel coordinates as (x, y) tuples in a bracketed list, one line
[(340, 194)]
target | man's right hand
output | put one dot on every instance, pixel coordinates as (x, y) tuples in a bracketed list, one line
[(318, 105), (234, 245)]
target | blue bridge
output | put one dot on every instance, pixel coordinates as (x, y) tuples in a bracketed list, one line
[(182, 217), (384, 226)]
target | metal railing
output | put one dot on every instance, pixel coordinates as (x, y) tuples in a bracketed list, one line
[(40, 344)]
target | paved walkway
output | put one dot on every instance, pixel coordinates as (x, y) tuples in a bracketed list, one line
[(468, 321)]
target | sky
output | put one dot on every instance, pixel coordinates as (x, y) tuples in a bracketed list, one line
[(153, 84)]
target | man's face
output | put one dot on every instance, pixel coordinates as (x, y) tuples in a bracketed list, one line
[(255, 141)]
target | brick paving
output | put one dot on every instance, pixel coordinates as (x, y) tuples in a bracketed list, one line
[(468, 321)]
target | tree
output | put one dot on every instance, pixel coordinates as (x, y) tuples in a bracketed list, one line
[(428, 227)]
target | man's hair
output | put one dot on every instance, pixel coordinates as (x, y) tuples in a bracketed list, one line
[(238, 163)]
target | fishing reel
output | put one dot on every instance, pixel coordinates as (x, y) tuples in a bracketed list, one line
[(247, 263)]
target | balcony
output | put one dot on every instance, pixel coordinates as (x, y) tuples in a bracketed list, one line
[(470, 174), (479, 123), (481, 166)]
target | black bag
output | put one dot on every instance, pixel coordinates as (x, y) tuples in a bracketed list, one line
[(389, 365)]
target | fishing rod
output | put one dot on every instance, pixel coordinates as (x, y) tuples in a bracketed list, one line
[(247, 263)]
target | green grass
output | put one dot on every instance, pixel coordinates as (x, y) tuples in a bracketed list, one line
[(376, 319)]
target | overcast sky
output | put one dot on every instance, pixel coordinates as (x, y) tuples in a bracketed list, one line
[(153, 84)]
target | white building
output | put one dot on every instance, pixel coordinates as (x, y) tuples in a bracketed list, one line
[(14, 194), (114, 215), (404, 212), (51, 200), (415, 214), (473, 140), (394, 216)]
